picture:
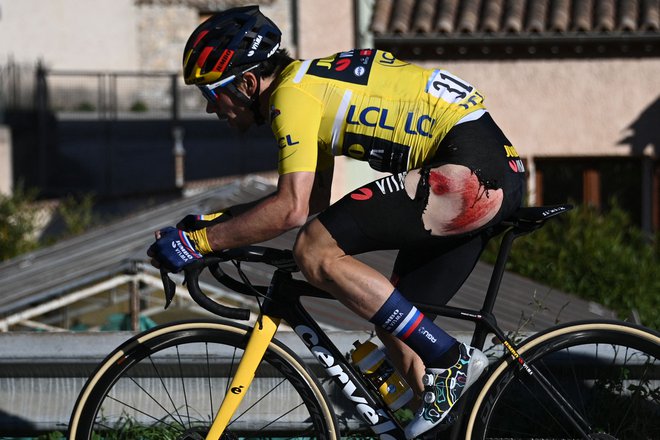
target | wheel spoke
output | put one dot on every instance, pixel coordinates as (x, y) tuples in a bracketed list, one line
[(166, 389)]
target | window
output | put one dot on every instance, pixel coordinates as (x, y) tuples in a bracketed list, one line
[(595, 181)]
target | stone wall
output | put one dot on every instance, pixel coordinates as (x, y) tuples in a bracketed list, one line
[(94, 35), (163, 27)]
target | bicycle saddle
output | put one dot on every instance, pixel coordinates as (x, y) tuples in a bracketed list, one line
[(535, 215)]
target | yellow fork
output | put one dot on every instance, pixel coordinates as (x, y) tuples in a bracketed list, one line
[(254, 352)]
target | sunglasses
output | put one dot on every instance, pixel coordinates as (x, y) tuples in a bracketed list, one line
[(209, 91)]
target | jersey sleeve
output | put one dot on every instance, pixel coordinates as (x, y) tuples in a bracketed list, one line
[(295, 121)]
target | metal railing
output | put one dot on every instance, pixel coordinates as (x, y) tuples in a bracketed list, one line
[(97, 95)]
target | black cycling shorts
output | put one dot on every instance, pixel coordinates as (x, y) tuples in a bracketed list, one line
[(381, 215)]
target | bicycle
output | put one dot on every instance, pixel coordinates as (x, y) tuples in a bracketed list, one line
[(585, 380)]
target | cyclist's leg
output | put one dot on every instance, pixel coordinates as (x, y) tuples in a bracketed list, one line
[(327, 266), (379, 221), (382, 215), (448, 199), (430, 276), (491, 192)]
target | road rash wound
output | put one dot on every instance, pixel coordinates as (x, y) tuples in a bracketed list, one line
[(439, 183), (465, 202)]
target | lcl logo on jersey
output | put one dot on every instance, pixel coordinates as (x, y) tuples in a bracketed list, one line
[(286, 141), (377, 117)]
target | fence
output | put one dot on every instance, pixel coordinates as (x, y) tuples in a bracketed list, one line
[(97, 95), (16, 87), (118, 133)]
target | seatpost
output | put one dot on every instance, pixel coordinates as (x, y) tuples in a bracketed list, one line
[(498, 271)]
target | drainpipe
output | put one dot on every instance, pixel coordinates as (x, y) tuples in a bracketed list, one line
[(179, 156), (41, 105), (531, 182), (134, 295), (363, 11), (647, 195), (177, 134)]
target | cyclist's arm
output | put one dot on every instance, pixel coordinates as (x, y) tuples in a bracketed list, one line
[(302, 188), (285, 209), (319, 199)]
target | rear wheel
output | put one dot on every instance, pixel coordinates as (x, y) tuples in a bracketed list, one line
[(168, 383), (608, 372)]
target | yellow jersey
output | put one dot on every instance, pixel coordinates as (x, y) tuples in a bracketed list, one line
[(368, 105)]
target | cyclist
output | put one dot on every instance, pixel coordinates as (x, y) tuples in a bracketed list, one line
[(454, 176)]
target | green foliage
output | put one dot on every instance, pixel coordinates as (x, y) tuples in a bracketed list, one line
[(52, 436), (77, 214), (603, 258), (139, 107), (127, 428), (17, 223), (85, 106)]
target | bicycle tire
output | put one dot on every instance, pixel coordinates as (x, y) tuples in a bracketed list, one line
[(609, 371), (147, 388)]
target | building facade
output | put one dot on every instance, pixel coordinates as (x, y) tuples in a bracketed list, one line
[(575, 85)]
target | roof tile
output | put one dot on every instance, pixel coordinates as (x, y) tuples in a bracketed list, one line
[(582, 13), (447, 12), (403, 10), (629, 12), (468, 16), (651, 16), (559, 16), (492, 15), (423, 21), (513, 16), (538, 11), (381, 16), (605, 16)]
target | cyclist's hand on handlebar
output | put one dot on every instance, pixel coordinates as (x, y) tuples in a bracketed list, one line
[(174, 249), (195, 222)]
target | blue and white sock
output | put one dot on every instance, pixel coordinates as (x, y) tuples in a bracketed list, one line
[(406, 322)]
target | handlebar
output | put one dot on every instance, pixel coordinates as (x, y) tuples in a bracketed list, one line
[(280, 258)]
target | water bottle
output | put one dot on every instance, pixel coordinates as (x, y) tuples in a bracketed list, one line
[(374, 365)]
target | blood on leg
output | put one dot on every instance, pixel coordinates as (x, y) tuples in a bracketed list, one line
[(458, 202)]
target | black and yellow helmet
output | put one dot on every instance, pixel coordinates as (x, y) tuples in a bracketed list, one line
[(229, 42)]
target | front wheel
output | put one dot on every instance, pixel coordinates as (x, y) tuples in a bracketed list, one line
[(608, 373), (168, 383)]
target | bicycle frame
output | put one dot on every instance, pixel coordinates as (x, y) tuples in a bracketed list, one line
[(283, 303)]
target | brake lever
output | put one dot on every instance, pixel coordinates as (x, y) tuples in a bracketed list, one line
[(169, 287)]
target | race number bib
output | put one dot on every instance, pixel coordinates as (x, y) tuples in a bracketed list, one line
[(449, 88)]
